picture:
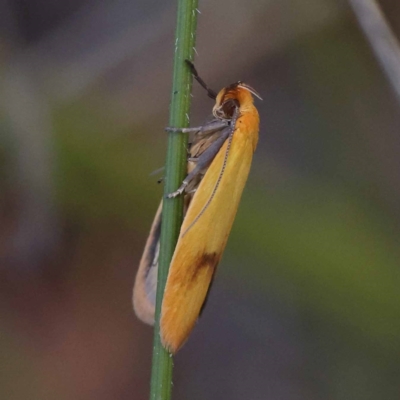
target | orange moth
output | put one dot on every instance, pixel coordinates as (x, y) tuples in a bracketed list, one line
[(219, 161)]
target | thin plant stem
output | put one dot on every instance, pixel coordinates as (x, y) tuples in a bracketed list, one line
[(175, 169)]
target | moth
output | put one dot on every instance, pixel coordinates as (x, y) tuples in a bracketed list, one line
[(218, 164)]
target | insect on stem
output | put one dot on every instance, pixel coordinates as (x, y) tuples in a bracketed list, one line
[(218, 163)]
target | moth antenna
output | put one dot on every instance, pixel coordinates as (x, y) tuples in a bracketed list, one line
[(210, 92)]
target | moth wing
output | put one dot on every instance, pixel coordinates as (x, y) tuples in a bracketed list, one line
[(203, 238), (145, 287)]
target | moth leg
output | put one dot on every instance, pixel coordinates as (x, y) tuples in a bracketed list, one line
[(183, 130), (202, 162), (210, 127), (193, 159), (177, 192)]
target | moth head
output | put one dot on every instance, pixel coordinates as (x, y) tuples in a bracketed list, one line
[(237, 95)]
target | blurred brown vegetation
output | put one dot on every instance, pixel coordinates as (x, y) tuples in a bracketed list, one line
[(306, 302)]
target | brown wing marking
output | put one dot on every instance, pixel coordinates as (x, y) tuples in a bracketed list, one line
[(206, 260)]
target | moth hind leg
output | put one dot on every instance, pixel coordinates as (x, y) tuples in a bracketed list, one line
[(189, 186), (183, 130), (178, 192)]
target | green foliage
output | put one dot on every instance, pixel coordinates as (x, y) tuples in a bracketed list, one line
[(336, 248), (104, 169)]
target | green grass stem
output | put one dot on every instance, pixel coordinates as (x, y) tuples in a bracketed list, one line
[(175, 170)]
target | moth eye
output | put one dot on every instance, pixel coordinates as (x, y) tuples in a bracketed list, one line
[(228, 107), (220, 113)]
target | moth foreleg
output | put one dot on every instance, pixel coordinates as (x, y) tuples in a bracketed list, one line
[(210, 127)]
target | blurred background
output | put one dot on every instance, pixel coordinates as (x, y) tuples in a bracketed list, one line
[(306, 302)]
